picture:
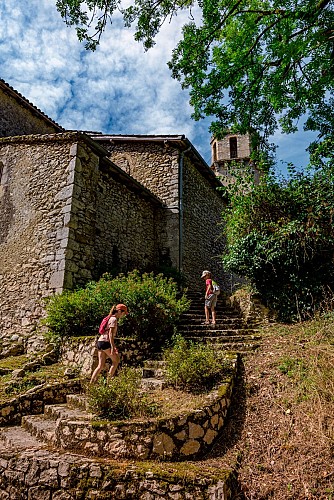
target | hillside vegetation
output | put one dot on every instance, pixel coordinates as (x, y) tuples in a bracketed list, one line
[(282, 425)]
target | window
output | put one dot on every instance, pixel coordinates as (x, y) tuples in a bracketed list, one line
[(214, 152), (233, 147)]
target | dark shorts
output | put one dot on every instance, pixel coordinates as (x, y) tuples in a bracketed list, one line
[(102, 345)]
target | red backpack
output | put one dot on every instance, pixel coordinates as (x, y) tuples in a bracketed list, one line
[(104, 324)]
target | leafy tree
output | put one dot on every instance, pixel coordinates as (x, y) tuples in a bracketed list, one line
[(251, 64), (281, 237)]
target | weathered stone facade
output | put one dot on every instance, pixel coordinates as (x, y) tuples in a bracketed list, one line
[(233, 149), (171, 168), (19, 117), (63, 215)]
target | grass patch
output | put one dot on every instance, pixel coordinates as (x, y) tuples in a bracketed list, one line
[(194, 367), (289, 423), (46, 374), (120, 397)]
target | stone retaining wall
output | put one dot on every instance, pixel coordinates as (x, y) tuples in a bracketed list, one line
[(182, 437), (40, 475), (33, 401), (81, 353)]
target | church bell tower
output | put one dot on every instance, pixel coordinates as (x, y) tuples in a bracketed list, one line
[(236, 149)]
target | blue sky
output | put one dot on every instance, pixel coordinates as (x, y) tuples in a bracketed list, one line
[(119, 89)]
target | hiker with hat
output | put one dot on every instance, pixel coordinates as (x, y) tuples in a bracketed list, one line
[(210, 298), (106, 342)]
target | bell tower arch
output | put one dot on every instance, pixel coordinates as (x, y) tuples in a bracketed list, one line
[(236, 149)]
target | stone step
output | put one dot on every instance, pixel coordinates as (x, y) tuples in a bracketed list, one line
[(18, 438), (40, 427), (211, 329), (64, 412), (200, 318), (78, 401), (238, 347), (153, 373), (226, 339), (219, 332), (153, 363), (153, 384), (222, 311)]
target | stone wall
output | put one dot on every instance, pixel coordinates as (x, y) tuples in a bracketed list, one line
[(21, 118), (33, 401), (221, 147), (183, 437), (43, 475), (81, 353), (127, 227), (156, 166), (66, 217), (35, 170), (203, 240), (191, 238)]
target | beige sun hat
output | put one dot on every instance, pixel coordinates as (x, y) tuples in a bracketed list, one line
[(204, 273)]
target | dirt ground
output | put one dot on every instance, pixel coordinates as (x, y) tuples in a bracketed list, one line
[(284, 445)]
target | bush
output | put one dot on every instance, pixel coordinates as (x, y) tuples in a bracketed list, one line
[(153, 301), (120, 397), (195, 367), (281, 237)]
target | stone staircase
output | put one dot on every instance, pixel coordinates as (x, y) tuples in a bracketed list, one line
[(231, 331)]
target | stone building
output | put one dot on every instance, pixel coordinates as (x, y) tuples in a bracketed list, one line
[(233, 149), (74, 205)]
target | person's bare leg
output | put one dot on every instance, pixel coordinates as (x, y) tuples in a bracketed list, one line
[(207, 314), (213, 312), (115, 358), (101, 364)]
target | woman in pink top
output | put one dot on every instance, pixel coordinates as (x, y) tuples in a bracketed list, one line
[(210, 298), (106, 343)]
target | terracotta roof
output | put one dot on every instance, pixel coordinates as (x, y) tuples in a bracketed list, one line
[(27, 104)]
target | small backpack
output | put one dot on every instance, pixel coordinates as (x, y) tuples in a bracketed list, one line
[(216, 288), (104, 324)]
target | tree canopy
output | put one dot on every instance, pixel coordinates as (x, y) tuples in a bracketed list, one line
[(249, 64)]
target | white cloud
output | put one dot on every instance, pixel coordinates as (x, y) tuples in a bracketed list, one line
[(120, 88)]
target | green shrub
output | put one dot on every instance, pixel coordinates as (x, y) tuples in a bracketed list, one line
[(195, 367), (153, 301), (120, 397), (280, 236)]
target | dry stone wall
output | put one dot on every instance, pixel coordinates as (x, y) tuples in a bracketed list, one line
[(184, 437), (33, 401), (43, 475), (81, 353)]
